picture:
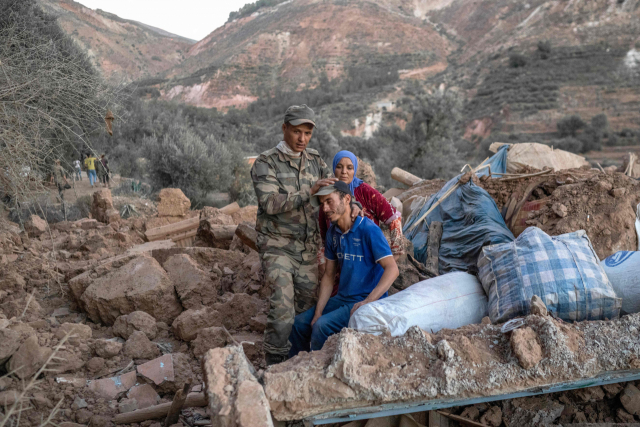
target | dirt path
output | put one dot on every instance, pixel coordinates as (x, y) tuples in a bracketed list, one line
[(82, 188)]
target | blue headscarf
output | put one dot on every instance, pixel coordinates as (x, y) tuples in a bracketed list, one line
[(348, 154)]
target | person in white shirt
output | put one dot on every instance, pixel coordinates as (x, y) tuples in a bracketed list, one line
[(78, 170)]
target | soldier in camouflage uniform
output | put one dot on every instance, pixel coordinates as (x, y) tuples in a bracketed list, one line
[(59, 179), (284, 179)]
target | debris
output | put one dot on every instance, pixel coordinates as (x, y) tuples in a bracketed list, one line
[(9, 343), (127, 324), (107, 348), (433, 248), (538, 307), (138, 346), (144, 395), (158, 411), (176, 405), (630, 399), (195, 288), (493, 417), (532, 411), (539, 156), (111, 388), (189, 322), (102, 207), (77, 332), (29, 357), (524, 342), (404, 177), (248, 235), (559, 209), (207, 339), (230, 209), (158, 370), (174, 231), (140, 285), (173, 202), (35, 226)]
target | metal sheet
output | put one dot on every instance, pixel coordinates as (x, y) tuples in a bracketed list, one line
[(390, 409)]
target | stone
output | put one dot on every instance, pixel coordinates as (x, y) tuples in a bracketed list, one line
[(531, 411), (559, 209), (623, 416), (207, 339), (144, 395), (87, 224), (140, 285), (138, 346), (5, 383), (127, 405), (471, 412), (182, 373), (8, 397), (67, 360), (102, 207), (195, 287), (158, 370), (246, 400), (238, 309), (538, 307), (612, 390), (618, 192), (630, 399), (78, 403), (10, 341), (589, 394), (141, 321), (173, 202), (35, 226), (580, 417), (524, 343), (15, 308), (61, 312), (107, 348), (111, 388), (95, 364), (77, 333), (493, 417), (258, 323), (12, 281), (83, 416), (29, 357), (100, 421), (187, 324)]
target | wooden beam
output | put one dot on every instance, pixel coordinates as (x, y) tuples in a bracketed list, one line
[(176, 405), (230, 209), (248, 235), (436, 419), (158, 411), (433, 247), (160, 233), (404, 177)]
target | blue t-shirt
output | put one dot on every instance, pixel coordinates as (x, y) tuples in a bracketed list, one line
[(357, 252)]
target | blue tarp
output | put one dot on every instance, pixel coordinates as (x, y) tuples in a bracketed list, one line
[(470, 220)]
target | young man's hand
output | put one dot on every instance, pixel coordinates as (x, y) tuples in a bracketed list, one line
[(357, 305), (315, 319)]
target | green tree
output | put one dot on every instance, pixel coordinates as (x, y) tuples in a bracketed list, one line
[(570, 125)]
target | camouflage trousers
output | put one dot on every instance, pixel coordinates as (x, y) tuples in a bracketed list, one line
[(293, 283)]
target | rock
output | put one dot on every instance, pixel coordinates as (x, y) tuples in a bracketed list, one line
[(233, 391), (207, 339), (102, 207), (471, 412), (623, 416), (101, 421), (35, 226), (538, 307), (238, 309), (107, 348), (590, 394), (630, 399), (5, 383), (173, 202), (258, 323), (127, 405), (78, 403), (10, 341), (445, 352), (111, 388), (29, 357), (12, 281), (83, 416), (126, 325), (612, 390), (618, 192), (9, 397), (195, 287), (15, 308), (95, 364), (158, 370), (187, 325), (531, 411), (493, 417), (559, 209), (182, 373), (144, 395), (524, 342), (140, 285), (69, 361), (77, 332), (138, 346)]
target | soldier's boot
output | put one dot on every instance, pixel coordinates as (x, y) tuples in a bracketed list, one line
[(274, 359)]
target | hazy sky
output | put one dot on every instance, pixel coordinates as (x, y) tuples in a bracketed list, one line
[(188, 18)]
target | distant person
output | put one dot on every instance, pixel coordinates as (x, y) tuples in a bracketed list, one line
[(60, 180), (366, 264), (90, 164), (103, 171), (374, 205), (84, 164), (78, 170)]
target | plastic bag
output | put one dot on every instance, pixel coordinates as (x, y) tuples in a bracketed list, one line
[(449, 301), (623, 271), (564, 271)]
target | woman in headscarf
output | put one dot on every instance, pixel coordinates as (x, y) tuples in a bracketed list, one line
[(374, 206)]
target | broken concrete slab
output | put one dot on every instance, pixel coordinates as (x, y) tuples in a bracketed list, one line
[(29, 358), (111, 388), (77, 332), (238, 309), (207, 339), (141, 321), (173, 202), (140, 285), (35, 226), (158, 370), (107, 348), (138, 346), (235, 396), (102, 207), (194, 286), (189, 322)]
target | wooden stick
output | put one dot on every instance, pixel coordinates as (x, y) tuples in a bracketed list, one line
[(433, 247), (404, 177), (177, 404), (160, 233), (462, 420), (548, 171), (158, 411), (230, 209)]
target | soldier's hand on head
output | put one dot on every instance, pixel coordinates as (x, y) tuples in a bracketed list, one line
[(322, 183), (356, 211)]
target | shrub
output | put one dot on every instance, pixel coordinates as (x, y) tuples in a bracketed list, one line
[(517, 60), (572, 145), (600, 122), (83, 203), (570, 125), (544, 49)]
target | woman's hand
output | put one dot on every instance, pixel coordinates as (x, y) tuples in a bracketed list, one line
[(322, 183), (356, 212)]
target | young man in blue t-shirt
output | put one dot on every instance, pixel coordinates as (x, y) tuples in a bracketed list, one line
[(367, 270)]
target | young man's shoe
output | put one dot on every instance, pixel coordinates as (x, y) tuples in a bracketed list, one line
[(274, 359)]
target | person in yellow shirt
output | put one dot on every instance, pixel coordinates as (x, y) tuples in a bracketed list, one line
[(90, 164)]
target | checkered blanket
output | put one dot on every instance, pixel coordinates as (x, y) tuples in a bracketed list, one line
[(564, 271)]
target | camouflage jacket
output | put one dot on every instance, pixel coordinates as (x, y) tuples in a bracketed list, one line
[(286, 220)]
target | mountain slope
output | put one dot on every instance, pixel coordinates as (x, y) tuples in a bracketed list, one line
[(120, 48)]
